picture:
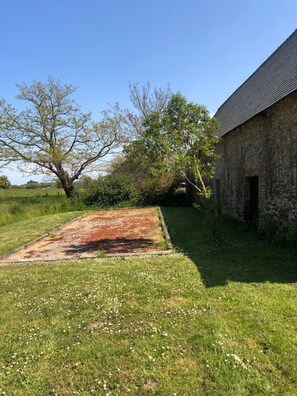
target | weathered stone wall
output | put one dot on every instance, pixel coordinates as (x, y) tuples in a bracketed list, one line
[(265, 146)]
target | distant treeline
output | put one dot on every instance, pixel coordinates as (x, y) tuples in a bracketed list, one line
[(84, 182), (31, 184)]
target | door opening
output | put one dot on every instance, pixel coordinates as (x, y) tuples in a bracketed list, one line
[(251, 201)]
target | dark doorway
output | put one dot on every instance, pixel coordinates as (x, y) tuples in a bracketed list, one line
[(251, 201)]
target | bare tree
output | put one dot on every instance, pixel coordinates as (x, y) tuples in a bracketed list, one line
[(53, 136), (145, 100)]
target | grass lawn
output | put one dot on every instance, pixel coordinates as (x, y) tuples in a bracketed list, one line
[(17, 234), (211, 321)]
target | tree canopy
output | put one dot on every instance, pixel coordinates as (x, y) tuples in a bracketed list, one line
[(53, 136), (4, 182), (179, 139)]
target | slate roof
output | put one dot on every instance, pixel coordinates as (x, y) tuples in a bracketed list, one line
[(272, 81)]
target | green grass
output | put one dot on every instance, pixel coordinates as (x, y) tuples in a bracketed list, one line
[(25, 204), (17, 193), (212, 321), (17, 234)]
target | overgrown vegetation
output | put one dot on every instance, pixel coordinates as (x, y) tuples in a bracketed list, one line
[(277, 233), (204, 322), (151, 189), (22, 204), (111, 190)]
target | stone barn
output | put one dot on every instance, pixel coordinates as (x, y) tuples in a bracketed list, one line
[(256, 174)]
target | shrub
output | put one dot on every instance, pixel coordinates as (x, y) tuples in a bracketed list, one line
[(112, 190), (268, 228), (161, 190), (4, 182)]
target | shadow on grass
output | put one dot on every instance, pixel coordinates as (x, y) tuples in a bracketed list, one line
[(242, 258), (115, 245)]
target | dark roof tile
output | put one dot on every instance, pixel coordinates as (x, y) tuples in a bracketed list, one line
[(272, 81)]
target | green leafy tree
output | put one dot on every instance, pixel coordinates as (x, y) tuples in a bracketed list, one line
[(145, 101), (4, 182), (153, 188), (181, 140), (53, 136), (111, 190), (85, 182), (32, 185)]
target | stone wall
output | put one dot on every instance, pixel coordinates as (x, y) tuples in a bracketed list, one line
[(265, 146)]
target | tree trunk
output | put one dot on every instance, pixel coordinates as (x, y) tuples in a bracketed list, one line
[(69, 190), (67, 184)]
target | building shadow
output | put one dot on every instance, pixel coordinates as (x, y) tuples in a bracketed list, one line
[(242, 257)]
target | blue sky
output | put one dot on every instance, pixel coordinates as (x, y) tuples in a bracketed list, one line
[(204, 49)]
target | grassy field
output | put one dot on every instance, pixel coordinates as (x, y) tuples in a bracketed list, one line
[(17, 193), (212, 320), (24, 204), (22, 232)]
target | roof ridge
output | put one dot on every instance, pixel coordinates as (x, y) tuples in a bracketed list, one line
[(270, 81)]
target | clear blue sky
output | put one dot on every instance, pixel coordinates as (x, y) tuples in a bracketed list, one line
[(204, 49)]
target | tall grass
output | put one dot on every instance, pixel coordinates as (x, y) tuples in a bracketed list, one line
[(17, 205)]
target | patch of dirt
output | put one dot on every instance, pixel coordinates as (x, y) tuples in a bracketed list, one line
[(186, 364), (126, 374), (133, 303), (97, 324), (107, 231), (124, 342), (150, 384), (177, 301)]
